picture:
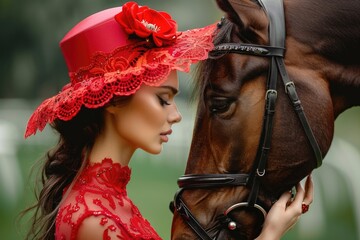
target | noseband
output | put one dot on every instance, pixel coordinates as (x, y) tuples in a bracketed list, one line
[(275, 13)]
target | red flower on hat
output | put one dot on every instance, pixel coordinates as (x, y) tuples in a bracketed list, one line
[(147, 23)]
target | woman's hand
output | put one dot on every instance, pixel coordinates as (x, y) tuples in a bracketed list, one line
[(284, 213)]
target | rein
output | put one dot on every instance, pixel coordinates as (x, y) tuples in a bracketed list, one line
[(276, 51)]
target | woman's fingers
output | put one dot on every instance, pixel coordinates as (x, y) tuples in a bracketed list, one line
[(303, 197), (309, 191), (299, 196), (283, 200), (284, 214), (309, 194)]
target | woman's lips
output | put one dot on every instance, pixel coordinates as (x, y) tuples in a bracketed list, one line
[(164, 136)]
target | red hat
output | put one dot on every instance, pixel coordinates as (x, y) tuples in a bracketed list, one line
[(114, 52)]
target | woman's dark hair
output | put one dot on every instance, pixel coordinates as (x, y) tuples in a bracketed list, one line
[(62, 164)]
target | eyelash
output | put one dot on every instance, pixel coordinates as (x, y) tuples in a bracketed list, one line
[(162, 101)]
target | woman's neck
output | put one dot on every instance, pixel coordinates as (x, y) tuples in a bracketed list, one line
[(103, 148), (109, 144)]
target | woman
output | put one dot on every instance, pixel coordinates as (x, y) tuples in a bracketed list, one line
[(123, 66)]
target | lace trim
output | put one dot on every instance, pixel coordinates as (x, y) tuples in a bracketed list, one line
[(121, 72), (100, 192)]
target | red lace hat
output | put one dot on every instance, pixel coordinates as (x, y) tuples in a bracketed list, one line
[(114, 52)]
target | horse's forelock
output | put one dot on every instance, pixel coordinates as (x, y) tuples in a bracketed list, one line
[(204, 69)]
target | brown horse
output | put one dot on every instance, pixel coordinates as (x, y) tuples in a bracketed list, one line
[(322, 59)]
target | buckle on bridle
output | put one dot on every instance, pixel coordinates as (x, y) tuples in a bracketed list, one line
[(270, 91), (288, 85), (260, 174)]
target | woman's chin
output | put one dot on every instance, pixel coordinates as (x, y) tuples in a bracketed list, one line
[(154, 150)]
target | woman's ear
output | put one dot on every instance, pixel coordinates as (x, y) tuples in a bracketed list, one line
[(111, 109)]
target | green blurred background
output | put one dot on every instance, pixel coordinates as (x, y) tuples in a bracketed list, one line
[(32, 69)]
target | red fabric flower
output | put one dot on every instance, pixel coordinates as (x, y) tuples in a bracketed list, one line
[(145, 22)]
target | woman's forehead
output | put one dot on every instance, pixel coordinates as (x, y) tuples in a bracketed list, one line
[(172, 80)]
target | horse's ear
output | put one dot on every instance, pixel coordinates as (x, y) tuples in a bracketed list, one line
[(230, 11), (247, 15)]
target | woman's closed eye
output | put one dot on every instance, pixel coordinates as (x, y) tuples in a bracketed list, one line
[(162, 101)]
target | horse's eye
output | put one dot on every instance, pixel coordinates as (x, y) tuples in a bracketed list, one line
[(220, 105)]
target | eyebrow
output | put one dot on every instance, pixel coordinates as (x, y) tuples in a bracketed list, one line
[(172, 89)]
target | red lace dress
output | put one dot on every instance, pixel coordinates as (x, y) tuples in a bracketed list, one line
[(100, 195)]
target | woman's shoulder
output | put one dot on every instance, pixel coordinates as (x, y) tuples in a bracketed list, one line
[(84, 213), (122, 222), (107, 227), (101, 227)]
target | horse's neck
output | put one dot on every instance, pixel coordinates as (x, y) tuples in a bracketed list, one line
[(332, 30)]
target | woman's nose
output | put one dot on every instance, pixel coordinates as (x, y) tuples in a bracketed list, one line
[(175, 115)]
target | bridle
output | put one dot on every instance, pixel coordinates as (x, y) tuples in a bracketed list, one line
[(275, 51)]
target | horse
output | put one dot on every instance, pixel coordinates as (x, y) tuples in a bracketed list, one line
[(268, 95)]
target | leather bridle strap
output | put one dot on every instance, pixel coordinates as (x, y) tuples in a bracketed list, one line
[(187, 216), (249, 49), (277, 38), (212, 180), (202, 181), (292, 94), (275, 12)]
